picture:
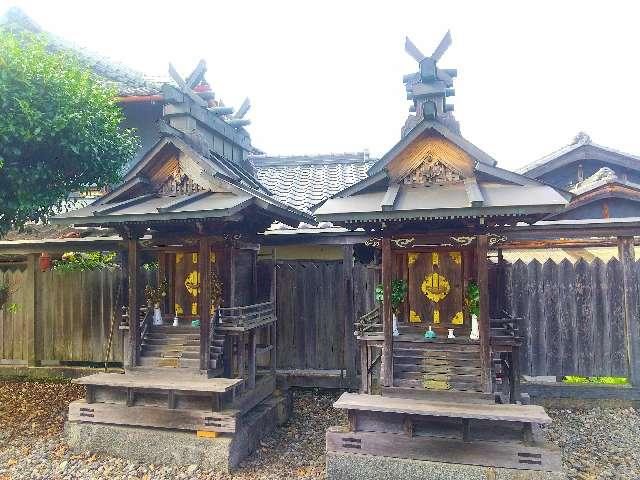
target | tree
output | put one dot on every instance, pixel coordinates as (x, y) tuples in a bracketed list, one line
[(59, 131)]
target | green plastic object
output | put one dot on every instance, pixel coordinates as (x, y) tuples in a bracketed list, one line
[(430, 334), (195, 323)]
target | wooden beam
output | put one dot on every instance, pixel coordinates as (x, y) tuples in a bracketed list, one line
[(482, 246), (349, 348), (204, 300), (390, 196), (134, 320), (630, 294), (387, 319), (474, 194)]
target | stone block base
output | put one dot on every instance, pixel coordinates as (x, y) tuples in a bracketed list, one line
[(161, 446), (350, 466)]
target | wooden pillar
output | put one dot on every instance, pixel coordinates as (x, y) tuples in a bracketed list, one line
[(251, 374), (387, 319), (134, 315), (204, 301), (231, 256), (500, 286), (31, 310), (273, 336), (349, 348), (240, 351), (482, 270), (630, 301), (364, 367)]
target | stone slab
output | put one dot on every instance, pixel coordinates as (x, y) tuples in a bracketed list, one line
[(162, 446), (349, 466)]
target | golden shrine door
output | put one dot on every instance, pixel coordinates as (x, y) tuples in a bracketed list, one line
[(436, 289)]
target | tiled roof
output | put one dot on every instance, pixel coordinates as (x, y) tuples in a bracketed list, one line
[(126, 81), (580, 140), (304, 181)]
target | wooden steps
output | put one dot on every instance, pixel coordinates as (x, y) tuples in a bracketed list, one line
[(438, 366), (165, 346)]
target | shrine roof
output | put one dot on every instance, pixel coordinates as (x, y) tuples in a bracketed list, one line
[(433, 173), (581, 148), (175, 182), (443, 202)]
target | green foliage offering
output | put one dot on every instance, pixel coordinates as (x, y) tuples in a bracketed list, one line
[(473, 298), (399, 290), (150, 267), (82, 261), (59, 131), (155, 295), (600, 380)]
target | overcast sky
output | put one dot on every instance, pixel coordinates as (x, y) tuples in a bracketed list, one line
[(327, 76)]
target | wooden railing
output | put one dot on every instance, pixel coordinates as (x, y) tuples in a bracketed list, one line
[(246, 317), (369, 323)]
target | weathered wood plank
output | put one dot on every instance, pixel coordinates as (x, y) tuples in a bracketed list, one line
[(507, 412), (552, 338), (618, 349), (584, 303), (191, 419), (568, 318), (632, 318), (492, 454)]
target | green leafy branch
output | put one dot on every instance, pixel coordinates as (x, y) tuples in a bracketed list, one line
[(399, 290), (83, 261)]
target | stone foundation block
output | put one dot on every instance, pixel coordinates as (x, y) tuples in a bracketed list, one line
[(350, 466), (161, 446)]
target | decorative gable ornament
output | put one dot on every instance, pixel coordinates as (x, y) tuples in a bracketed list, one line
[(179, 183), (432, 171)]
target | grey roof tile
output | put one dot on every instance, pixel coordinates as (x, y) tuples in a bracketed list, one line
[(304, 181)]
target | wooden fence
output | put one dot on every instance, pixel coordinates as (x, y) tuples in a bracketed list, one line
[(60, 317), (572, 316), (311, 301)]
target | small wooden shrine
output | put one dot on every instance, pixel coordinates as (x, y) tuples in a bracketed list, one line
[(435, 205), (204, 356)]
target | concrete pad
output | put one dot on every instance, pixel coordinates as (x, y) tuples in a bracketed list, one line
[(351, 466), (161, 446)]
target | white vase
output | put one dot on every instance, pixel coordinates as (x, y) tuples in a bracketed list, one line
[(475, 332), (395, 326), (157, 315), (451, 335), (175, 321)]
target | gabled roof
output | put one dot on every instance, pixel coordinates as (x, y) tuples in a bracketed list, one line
[(305, 180), (222, 192), (125, 80), (433, 173), (438, 127), (580, 149)]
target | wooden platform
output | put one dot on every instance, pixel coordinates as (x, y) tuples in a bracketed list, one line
[(507, 413), (493, 435), (162, 380)]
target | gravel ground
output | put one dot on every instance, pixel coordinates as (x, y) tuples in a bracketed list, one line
[(597, 443)]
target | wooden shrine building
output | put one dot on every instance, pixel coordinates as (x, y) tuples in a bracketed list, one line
[(433, 205), (193, 207), (604, 182)]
